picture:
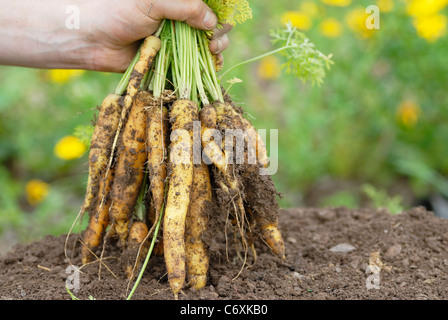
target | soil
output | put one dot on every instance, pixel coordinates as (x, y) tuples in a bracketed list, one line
[(331, 253)]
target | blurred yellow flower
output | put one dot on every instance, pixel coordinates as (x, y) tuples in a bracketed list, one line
[(385, 5), (431, 27), (337, 3), (69, 148), (269, 68), (331, 28), (408, 113), (309, 8), (418, 8), (63, 75), (299, 20), (36, 191), (356, 21)]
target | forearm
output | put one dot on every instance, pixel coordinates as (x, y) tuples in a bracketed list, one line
[(43, 34), (34, 33)]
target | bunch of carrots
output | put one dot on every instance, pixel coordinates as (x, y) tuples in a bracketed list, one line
[(144, 174)]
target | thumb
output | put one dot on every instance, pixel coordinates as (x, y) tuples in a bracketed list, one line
[(194, 12)]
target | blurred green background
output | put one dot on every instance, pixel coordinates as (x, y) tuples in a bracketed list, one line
[(373, 135)]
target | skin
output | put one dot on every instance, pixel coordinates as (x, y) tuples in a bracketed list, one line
[(34, 33)]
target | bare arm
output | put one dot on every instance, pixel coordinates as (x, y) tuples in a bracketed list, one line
[(97, 35)]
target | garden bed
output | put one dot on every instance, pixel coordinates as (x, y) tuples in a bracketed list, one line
[(328, 253)]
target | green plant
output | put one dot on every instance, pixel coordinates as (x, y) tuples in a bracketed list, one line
[(380, 199)]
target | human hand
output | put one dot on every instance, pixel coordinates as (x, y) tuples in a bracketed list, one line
[(108, 35), (116, 33)]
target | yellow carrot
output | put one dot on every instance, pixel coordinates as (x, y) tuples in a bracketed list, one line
[(101, 144), (130, 166), (182, 115), (196, 224)]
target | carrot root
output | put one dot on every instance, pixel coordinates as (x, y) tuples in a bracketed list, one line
[(182, 115)]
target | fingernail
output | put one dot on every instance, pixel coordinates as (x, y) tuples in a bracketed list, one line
[(210, 20), (218, 46)]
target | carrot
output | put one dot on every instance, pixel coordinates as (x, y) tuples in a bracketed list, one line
[(137, 233), (230, 115), (157, 137), (136, 247), (216, 154), (211, 118), (101, 144), (111, 119), (256, 140), (196, 224), (183, 113), (228, 123), (261, 202), (148, 52), (158, 140), (151, 222), (270, 233), (130, 166), (210, 147), (254, 184), (99, 219)]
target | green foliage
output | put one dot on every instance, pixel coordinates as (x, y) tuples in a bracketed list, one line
[(353, 127), (231, 11), (341, 199), (75, 297), (303, 60), (380, 199)]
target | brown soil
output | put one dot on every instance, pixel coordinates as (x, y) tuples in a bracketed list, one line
[(412, 246)]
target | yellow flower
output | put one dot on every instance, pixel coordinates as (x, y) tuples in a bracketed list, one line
[(309, 8), (356, 21), (269, 68), (429, 23), (69, 148), (36, 191), (337, 3), (299, 20), (63, 75), (408, 113), (431, 27), (385, 5), (418, 8), (331, 28)]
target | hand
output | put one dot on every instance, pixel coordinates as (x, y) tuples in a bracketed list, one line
[(34, 33), (117, 32)]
